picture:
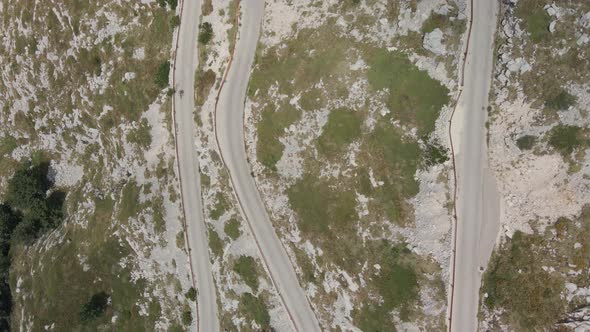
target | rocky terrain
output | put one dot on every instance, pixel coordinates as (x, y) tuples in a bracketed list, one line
[(538, 139), (351, 162)]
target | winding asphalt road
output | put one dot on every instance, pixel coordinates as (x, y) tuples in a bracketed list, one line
[(230, 133), (184, 73), (478, 202)]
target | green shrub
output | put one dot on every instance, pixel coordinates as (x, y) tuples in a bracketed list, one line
[(191, 294), (215, 243), (232, 229), (255, 309), (434, 154), (205, 33), (187, 318), (95, 307), (526, 142), (175, 21), (163, 75)]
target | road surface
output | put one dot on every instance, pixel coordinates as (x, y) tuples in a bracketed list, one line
[(477, 196), (230, 133), (186, 64)]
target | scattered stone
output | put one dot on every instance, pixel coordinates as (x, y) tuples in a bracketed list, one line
[(552, 26)]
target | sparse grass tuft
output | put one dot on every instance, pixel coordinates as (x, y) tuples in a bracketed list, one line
[(141, 136)]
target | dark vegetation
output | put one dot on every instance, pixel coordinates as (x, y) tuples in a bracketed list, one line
[(434, 154), (163, 75), (27, 213), (171, 3), (205, 33), (191, 294), (526, 142), (95, 307)]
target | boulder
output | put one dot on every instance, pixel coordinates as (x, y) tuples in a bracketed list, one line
[(433, 42)]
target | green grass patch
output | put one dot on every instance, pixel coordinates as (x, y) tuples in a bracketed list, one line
[(270, 128), (536, 20), (526, 142), (129, 206), (221, 206), (396, 282), (232, 229), (565, 138), (342, 128), (254, 308), (7, 145), (215, 243), (245, 267), (414, 97), (320, 207), (394, 161), (560, 102)]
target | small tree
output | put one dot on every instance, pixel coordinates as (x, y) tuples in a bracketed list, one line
[(205, 33), (95, 307)]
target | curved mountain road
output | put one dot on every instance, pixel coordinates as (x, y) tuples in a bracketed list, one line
[(184, 75), (230, 134)]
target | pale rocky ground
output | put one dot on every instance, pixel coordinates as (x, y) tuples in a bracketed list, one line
[(534, 187), (430, 235), (229, 285), (155, 256)]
